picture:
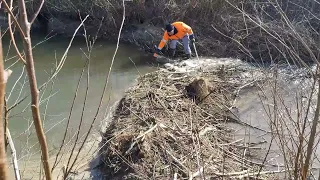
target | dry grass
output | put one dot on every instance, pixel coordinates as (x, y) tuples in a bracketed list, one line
[(233, 22), (159, 131)]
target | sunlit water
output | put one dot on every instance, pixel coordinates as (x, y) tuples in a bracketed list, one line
[(56, 99)]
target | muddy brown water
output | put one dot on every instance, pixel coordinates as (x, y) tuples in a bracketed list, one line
[(56, 99)]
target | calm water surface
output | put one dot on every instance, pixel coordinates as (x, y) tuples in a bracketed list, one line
[(56, 98)]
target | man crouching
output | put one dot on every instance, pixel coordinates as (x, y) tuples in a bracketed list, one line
[(174, 32)]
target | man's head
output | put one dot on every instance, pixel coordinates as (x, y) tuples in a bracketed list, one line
[(170, 29)]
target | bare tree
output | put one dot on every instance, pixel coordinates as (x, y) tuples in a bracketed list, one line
[(3, 80), (295, 135), (24, 26)]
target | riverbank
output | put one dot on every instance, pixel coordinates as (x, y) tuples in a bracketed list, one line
[(174, 124), (251, 31), (224, 32), (159, 127)]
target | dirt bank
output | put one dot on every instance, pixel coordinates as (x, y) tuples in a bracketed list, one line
[(253, 31)]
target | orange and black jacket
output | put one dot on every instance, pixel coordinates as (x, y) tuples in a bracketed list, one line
[(180, 30)]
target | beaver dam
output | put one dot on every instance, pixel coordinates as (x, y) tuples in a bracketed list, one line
[(173, 125)]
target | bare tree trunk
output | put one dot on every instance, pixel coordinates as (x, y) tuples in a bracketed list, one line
[(26, 25), (3, 79), (312, 133)]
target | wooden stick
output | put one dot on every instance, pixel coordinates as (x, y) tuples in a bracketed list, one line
[(245, 173), (140, 136), (12, 36), (175, 176), (14, 155), (198, 173), (13, 17), (143, 134), (177, 161)]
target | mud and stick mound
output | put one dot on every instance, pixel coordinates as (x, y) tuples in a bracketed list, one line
[(172, 125)]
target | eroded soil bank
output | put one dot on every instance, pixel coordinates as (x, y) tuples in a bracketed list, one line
[(252, 31)]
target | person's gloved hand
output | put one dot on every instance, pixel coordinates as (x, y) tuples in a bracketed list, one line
[(158, 51), (192, 39)]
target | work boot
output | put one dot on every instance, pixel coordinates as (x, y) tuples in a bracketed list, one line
[(171, 53), (188, 56)]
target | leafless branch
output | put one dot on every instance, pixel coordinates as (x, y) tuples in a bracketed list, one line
[(35, 15)]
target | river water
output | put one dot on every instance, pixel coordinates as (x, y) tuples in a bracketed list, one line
[(283, 104), (56, 99)]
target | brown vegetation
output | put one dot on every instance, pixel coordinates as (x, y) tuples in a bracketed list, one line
[(158, 131), (223, 28), (163, 127)]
